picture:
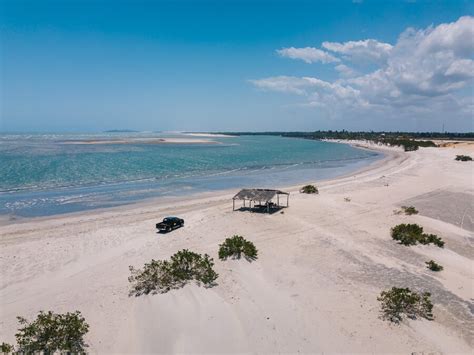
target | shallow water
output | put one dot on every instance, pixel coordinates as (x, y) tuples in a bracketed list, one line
[(40, 175)]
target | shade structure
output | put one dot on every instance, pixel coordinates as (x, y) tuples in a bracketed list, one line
[(264, 197)]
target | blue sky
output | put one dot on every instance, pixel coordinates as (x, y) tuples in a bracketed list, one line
[(235, 65)]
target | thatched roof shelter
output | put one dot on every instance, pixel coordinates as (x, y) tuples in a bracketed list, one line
[(261, 198)]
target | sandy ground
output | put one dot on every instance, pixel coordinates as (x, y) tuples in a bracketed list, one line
[(313, 288), (464, 145)]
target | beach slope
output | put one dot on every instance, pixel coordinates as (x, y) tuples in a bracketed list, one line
[(314, 287)]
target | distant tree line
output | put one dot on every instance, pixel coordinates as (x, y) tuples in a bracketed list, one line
[(364, 135), (408, 140)]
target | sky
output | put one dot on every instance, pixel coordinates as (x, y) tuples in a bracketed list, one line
[(87, 66)]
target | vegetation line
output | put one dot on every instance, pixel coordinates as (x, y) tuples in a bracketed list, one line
[(408, 140)]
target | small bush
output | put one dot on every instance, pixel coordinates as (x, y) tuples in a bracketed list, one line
[(160, 276), (49, 333), (411, 234), (407, 234), (309, 189), (235, 246), (463, 158), (397, 302), (431, 239), (409, 210), (410, 148), (410, 144), (433, 265), (6, 348), (347, 199)]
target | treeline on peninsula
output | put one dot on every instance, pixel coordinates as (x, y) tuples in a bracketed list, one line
[(409, 140)]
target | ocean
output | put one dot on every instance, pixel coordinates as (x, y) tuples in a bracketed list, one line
[(42, 175)]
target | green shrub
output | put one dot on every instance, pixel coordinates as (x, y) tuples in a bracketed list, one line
[(431, 239), (433, 265), (397, 302), (463, 158), (309, 189), (407, 234), (6, 348), (411, 234), (409, 144), (160, 276), (408, 147), (409, 210), (235, 246), (49, 333)]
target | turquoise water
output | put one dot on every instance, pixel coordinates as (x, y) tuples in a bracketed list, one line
[(40, 175)]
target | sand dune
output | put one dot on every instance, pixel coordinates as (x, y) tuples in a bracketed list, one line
[(313, 288)]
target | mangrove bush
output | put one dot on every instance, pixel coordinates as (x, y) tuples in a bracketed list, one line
[(50, 333), (433, 265), (237, 246), (463, 158), (160, 276), (309, 189), (412, 234), (399, 302), (409, 210)]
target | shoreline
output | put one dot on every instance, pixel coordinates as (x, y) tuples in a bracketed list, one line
[(387, 155)]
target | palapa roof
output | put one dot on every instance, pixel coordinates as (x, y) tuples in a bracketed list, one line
[(258, 194)]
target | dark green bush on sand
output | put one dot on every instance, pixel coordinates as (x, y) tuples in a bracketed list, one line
[(409, 210), (432, 239), (463, 158), (411, 234), (433, 265), (160, 276), (6, 348), (309, 189), (50, 333), (237, 246), (399, 302), (407, 234)]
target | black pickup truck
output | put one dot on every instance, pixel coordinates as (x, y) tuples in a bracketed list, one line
[(170, 223)]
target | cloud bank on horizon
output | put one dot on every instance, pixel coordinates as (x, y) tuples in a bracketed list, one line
[(427, 72)]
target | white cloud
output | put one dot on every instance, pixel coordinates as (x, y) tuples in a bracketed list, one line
[(457, 37), (424, 73), (434, 61), (291, 84), (307, 54), (368, 49), (345, 71), (461, 68)]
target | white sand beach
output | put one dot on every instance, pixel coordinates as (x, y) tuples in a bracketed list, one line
[(313, 289)]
